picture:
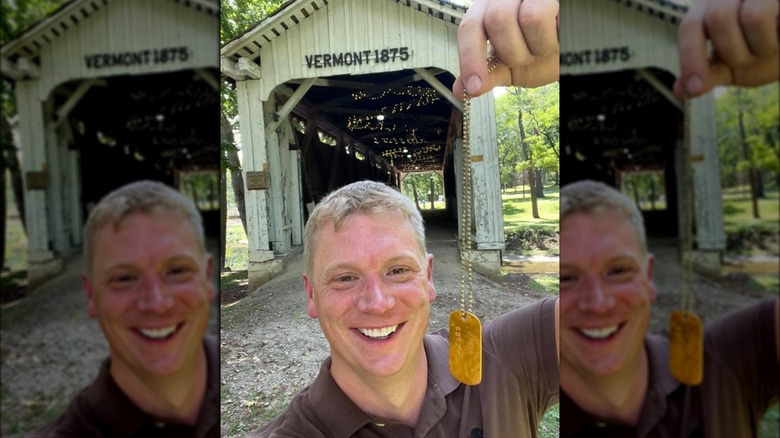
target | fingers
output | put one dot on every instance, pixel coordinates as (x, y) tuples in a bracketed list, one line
[(759, 25), (524, 35), (744, 40), (693, 53), (472, 51)]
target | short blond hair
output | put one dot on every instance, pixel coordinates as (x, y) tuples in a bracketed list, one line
[(594, 197), (362, 197), (146, 197)]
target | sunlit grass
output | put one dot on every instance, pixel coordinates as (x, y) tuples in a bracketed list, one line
[(518, 212)]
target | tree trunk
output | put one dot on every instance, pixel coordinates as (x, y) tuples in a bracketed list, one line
[(527, 157), (13, 166), (414, 192), (233, 164), (432, 193), (539, 184), (748, 156)]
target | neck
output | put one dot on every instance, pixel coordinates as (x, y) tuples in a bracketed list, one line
[(397, 398), (617, 397), (177, 397)]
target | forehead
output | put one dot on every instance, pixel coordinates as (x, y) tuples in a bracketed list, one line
[(143, 224), (362, 231), (591, 232)]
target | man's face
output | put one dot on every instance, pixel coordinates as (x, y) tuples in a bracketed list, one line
[(371, 288), (606, 291), (150, 291)]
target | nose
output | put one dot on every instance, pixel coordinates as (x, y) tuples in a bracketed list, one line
[(373, 298), (153, 298), (593, 298)]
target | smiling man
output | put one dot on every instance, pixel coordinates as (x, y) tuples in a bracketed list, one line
[(147, 278), (614, 376), (369, 282)]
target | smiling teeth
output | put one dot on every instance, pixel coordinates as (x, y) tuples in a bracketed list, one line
[(380, 333), (600, 333), (159, 333)]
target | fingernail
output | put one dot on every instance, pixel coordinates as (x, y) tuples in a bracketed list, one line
[(473, 85), (693, 85)]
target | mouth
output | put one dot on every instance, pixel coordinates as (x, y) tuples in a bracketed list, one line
[(379, 334), (600, 333), (159, 333)]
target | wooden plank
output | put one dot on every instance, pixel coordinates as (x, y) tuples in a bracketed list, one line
[(251, 123), (285, 110), (660, 87), (441, 88)]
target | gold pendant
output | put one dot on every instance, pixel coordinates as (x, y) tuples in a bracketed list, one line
[(465, 347), (686, 347)]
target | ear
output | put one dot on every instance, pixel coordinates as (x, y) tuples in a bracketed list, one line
[(651, 285), (91, 305), (311, 306), (212, 292), (431, 287)]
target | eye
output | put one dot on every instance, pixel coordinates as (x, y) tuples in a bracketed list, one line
[(345, 278), (180, 272), (621, 272), (399, 270), (122, 280)]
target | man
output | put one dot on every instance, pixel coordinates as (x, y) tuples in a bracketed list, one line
[(369, 281), (147, 278), (615, 377)]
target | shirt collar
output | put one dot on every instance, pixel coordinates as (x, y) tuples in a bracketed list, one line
[(124, 418), (343, 418), (661, 384)]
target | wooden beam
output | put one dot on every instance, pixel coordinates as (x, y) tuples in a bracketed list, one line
[(660, 86), (208, 78), (249, 68), (63, 111), (335, 83), (441, 88), (285, 110), (229, 68), (395, 84)]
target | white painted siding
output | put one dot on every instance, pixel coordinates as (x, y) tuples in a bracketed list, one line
[(602, 24), (355, 26), (130, 26)]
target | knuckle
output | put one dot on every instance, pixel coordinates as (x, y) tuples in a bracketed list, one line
[(718, 19)]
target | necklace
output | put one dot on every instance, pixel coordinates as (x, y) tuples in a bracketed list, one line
[(465, 328), (686, 347)]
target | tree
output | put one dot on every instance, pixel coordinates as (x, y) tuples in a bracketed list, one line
[(15, 18), (237, 16), (749, 138), (528, 136), (428, 183)]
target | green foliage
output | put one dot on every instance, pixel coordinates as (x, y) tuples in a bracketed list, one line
[(422, 183), (15, 18), (759, 107), (541, 125), (549, 426)]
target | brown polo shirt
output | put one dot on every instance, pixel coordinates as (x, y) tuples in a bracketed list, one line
[(103, 410), (740, 383), (519, 383)]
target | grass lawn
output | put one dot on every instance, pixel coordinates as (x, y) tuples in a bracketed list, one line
[(738, 211), (517, 209)]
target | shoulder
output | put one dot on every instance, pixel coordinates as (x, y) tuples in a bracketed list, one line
[(78, 420), (298, 420)]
